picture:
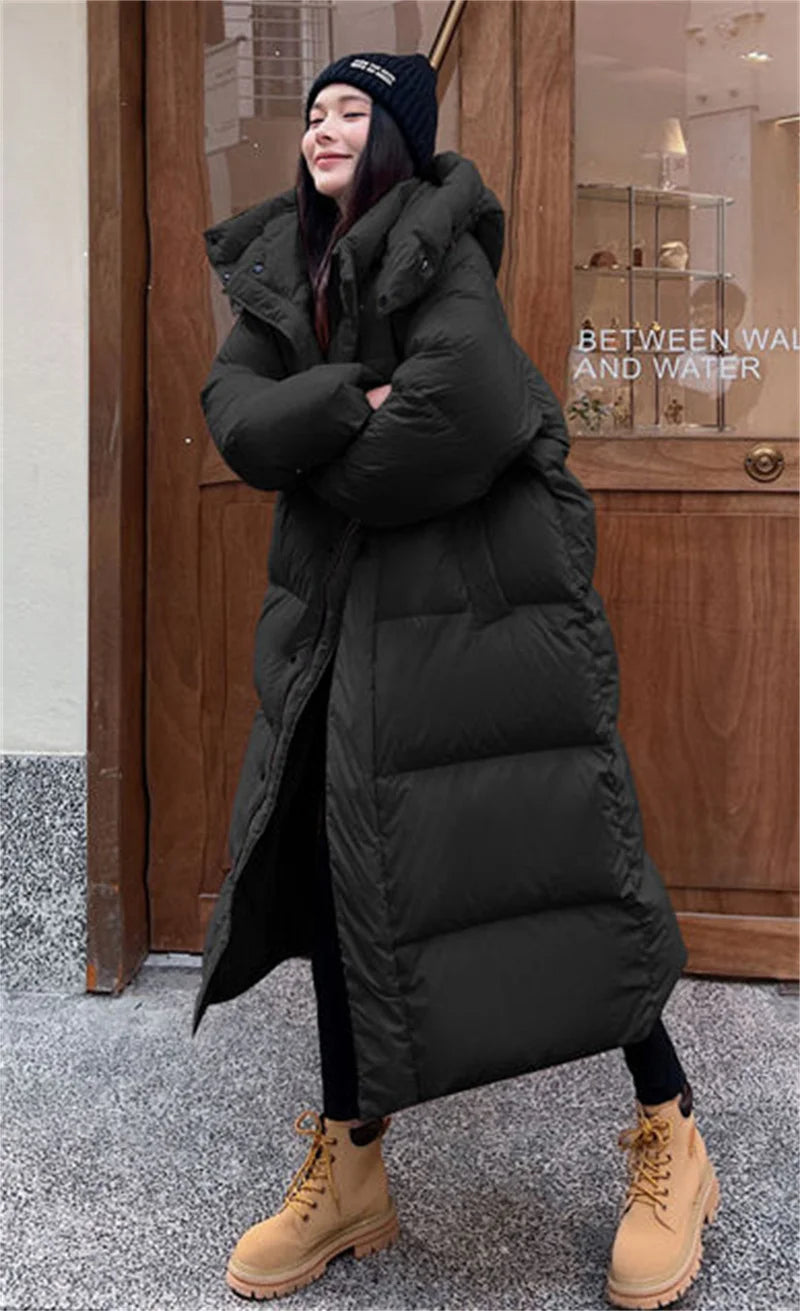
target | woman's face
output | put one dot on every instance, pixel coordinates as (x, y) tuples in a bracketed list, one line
[(338, 124)]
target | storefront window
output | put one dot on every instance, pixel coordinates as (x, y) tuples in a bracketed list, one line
[(685, 283)]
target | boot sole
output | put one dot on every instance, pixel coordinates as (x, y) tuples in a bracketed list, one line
[(364, 1238), (705, 1211)]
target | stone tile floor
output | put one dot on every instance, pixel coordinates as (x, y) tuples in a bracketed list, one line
[(133, 1156)]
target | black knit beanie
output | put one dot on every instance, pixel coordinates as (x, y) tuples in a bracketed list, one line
[(404, 84)]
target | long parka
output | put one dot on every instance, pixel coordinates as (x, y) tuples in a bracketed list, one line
[(496, 908)]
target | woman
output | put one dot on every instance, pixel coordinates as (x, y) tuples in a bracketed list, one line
[(435, 805)]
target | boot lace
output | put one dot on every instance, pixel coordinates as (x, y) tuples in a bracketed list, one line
[(315, 1168), (647, 1145)]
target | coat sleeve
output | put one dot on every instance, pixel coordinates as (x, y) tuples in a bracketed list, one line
[(461, 409), (271, 429)]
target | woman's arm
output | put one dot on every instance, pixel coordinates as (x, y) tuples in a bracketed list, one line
[(271, 429), (460, 410)]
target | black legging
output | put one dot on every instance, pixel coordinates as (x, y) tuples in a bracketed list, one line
[(657, 1072), (336, 1047)]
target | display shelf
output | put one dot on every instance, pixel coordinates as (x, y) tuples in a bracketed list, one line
[(622, 270), (638, 407), (652, 195)]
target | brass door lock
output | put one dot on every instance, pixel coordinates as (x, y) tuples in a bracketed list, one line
[(764, 463)]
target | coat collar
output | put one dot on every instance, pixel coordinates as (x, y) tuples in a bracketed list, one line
[(409, 230)]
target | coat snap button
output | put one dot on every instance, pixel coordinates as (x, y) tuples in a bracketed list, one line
[(226, 277), (258, 268), (425, 264)]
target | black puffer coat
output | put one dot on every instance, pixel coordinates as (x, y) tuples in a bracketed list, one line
[(497, 909)]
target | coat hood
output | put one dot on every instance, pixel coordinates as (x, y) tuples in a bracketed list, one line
[(409, 230)]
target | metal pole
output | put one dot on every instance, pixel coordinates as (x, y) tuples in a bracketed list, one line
[(446, 32)]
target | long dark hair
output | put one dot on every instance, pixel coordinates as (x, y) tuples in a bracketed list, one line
[(384, 161)]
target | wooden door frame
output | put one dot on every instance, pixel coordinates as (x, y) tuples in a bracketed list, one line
[(117, 920)]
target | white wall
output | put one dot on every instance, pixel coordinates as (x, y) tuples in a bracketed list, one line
[(45, 377)]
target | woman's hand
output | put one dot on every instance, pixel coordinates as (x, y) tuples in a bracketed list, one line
[(377, 395)]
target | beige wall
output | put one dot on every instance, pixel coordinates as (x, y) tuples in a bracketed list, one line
[(45, 378)]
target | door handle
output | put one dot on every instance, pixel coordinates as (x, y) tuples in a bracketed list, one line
[(764, 463)]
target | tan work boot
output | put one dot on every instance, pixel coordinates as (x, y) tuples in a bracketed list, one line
[(672, 1190), (339, 1198)]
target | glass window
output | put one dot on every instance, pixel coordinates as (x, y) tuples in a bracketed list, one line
[(685, 284)]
